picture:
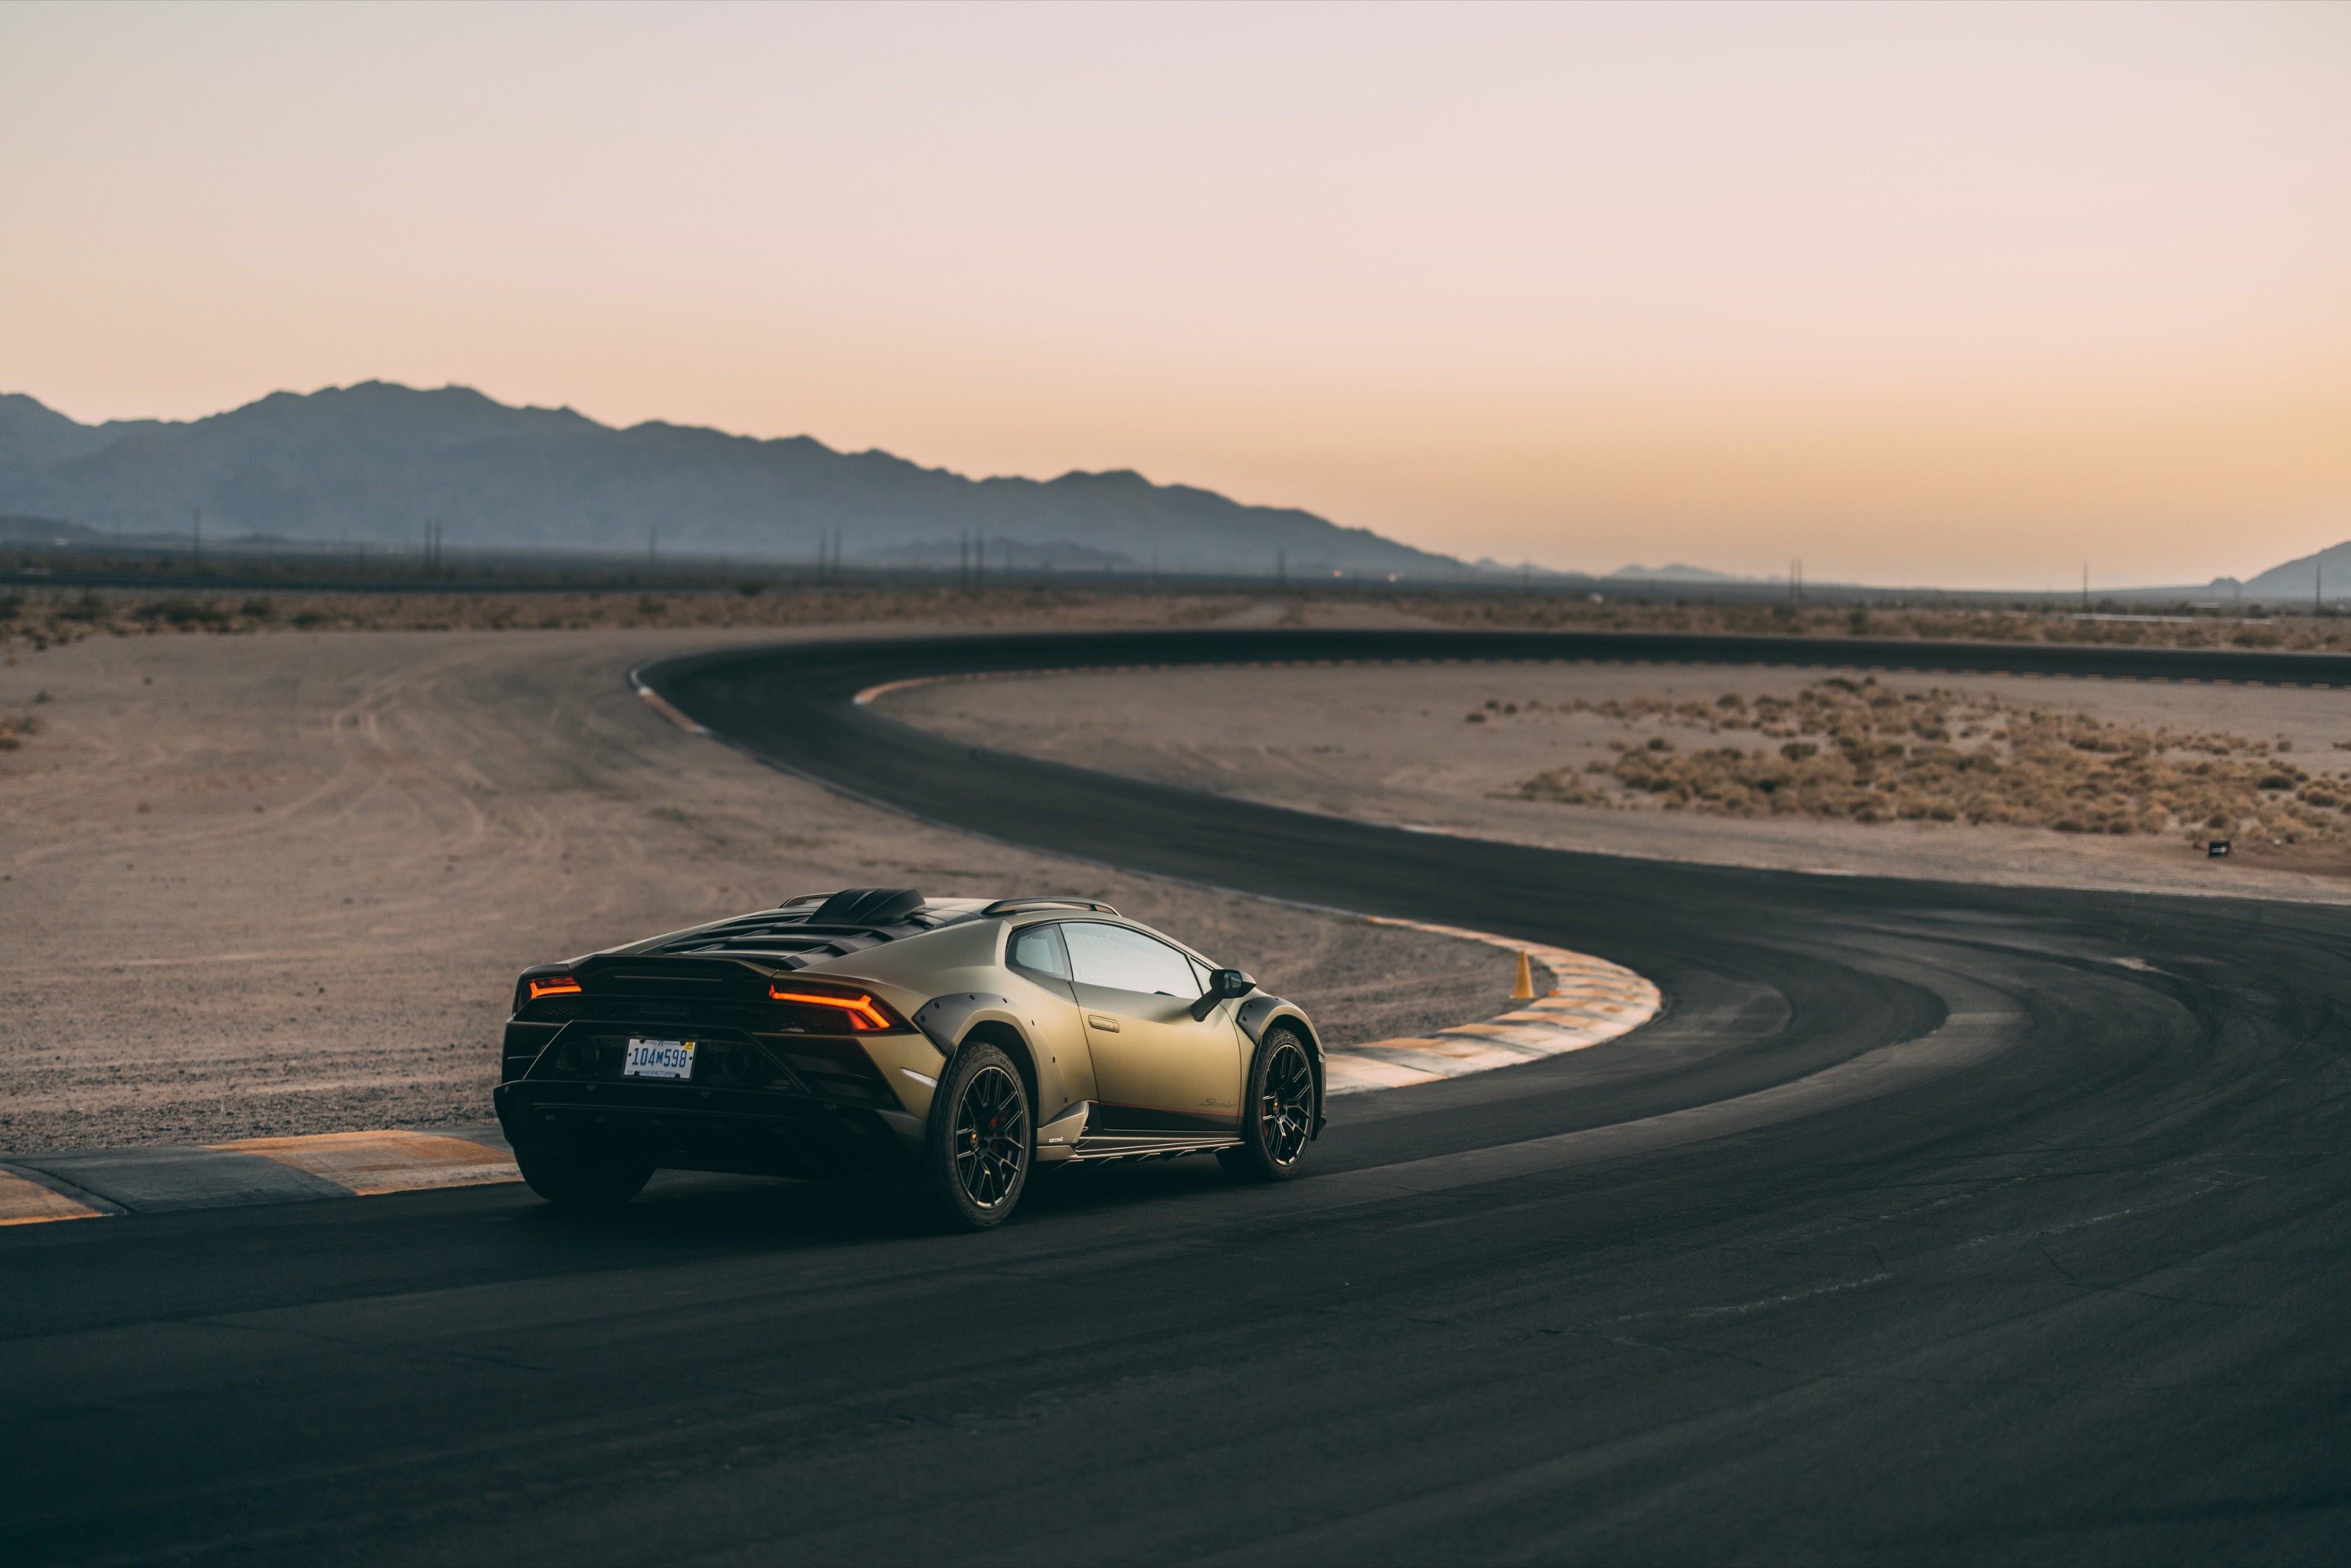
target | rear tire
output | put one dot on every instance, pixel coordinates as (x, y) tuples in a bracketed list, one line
[(1278, 1116), (977, 1154), (582, 1181)]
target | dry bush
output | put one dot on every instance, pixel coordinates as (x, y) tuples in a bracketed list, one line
[(2206, 630), (43, 620), (1853, 750)]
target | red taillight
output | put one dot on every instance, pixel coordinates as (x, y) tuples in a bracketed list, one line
[(554, 985), (862, 1013)]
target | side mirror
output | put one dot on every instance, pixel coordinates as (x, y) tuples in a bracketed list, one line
[(1224, 985)]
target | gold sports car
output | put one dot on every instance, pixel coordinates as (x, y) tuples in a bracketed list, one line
[(953, 1045)]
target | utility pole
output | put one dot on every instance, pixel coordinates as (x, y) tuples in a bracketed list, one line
[(1281, 569), (652, 543), (2318, 581), (2085, 588), (199, 558)]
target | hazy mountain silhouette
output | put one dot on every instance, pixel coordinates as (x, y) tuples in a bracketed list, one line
[(2327, 573), (377, 462)]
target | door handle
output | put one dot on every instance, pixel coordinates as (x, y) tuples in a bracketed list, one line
[(1101, 1022)]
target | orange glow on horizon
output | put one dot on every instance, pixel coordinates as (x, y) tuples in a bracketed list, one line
[(1919, 294)]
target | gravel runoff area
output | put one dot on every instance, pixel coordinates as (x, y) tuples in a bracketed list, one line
[(1492, 750), (281, 885)]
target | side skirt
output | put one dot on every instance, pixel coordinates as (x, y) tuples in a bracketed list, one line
[(1105, 1148)]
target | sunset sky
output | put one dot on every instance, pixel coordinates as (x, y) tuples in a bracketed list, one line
[(1967, 295)]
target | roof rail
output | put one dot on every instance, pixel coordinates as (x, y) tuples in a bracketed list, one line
[(1015, 906)]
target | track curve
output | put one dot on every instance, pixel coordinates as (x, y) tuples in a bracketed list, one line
[(2159, 1079), (1929, 1222)]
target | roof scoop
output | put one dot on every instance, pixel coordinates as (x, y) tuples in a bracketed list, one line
[(866, 905)]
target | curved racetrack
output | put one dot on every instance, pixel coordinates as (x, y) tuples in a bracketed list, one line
[(1930, 1222)]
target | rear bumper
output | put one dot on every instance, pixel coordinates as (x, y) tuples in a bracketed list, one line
[(676, 1128)]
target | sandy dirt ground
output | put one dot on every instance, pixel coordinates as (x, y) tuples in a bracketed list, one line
[(1392, 744), (282, 883)]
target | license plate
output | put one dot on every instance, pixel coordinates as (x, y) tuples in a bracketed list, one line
[(658, 1058)]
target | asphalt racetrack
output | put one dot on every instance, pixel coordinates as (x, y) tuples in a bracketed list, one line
[(1929, 1223)]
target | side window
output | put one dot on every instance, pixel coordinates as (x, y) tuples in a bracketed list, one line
[(1039, 949), (1127, 960)]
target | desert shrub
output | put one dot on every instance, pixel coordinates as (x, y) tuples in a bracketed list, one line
[(1883, 756), (181, 611)]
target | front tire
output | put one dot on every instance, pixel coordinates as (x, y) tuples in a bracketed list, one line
[(582, 1181), (1279, 1121), (977, 1154)]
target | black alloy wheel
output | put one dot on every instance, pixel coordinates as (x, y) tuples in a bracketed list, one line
[(1279, 1121), (991, 1137), (978, 1154)]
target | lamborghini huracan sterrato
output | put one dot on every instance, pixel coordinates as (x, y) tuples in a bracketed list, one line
[(952, 1045)]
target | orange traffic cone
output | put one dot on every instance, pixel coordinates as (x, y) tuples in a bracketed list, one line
[(1523, 989)]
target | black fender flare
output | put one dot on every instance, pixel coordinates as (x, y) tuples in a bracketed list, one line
[(947, 1021), (1260, 1011)]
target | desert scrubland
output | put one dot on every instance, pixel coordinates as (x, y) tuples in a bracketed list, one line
[(45, 616), (2083, 783), (282, 883), (268, 865)]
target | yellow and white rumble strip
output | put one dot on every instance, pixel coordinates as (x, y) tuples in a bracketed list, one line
[(26, 1202), (1593, 1000), (84, 1184), (391, 1161)]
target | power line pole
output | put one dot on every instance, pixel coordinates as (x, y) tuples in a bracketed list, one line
[(653, 545), (198, 559), (2085, 588)]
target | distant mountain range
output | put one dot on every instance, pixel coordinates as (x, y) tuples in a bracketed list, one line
[(2327, 573), (378, 463)]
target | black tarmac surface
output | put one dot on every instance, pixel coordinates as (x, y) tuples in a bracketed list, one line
[(1930, 1224)]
